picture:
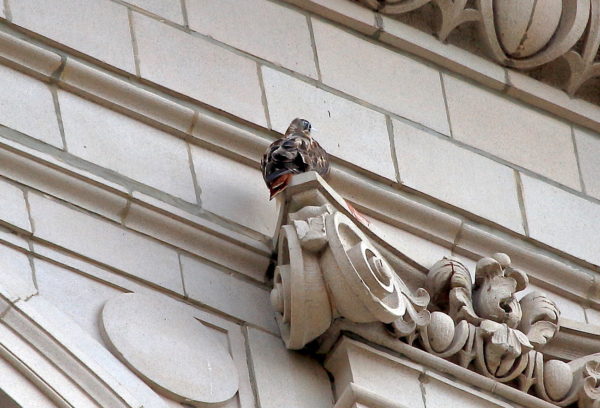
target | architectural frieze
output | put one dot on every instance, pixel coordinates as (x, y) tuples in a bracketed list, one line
[(335, 275), (522, 35)]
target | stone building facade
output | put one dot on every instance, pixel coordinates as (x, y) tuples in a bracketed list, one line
[(143, 265)]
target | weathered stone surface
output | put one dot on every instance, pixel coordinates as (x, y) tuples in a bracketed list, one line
[(105, 242), (129, 147), (456, 175), (99, 29), (13, 209), (340, 125), (26, 105), (440, 394), (169, 9), (588, 149), (15, 273), (184, 362), (381, 77), (285, 378), (234, 190), (197, 68), (227, 293), (511, 131), (246, 25), (562, 220)]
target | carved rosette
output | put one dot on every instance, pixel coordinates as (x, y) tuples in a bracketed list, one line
[(522, 34)]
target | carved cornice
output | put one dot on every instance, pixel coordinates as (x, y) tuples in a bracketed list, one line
[(334, 274), (522, 35)]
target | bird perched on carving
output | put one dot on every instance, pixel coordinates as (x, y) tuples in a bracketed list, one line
[(296, 152)]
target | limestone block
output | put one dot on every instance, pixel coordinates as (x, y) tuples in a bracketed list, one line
[(15, 273), (227, 293), (13, 209), (511, 131), (345, 129), (78, 296), (169, 9), (105, 242), (21, 97), (380, 76), (234, 190), (184, 362), (18, 391), (126, 146), (285, 378), (246, 25), (561, 219), (588, 149), (99, 28), (457, 176), (441, 394), (197, 68)]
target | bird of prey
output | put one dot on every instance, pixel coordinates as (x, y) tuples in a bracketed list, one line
[(297, 152)]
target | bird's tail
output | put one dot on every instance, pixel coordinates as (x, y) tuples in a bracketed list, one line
[(279, 184)]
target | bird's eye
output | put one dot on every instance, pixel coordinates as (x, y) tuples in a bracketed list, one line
[(306, 125)]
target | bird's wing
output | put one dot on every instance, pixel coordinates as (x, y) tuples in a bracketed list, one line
[(315, 157)]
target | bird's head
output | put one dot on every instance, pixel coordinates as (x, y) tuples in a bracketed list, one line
[(299, 126)]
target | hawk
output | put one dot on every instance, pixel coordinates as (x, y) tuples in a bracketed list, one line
[(296, 152)]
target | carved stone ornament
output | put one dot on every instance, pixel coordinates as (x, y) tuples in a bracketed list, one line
[(522, 34), (332, 269)]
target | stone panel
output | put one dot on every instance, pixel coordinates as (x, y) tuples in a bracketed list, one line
[(439, 394), (105, 242), (562, 220), (16, 272), (512, 131), (227, 293), (198, 68), (126, 146), (234, 190), (588, 149), (457, 176), (97, 28), (13, 209), (380, 76), (248, 24), (286, 378), (345, 129), (169, 9), (26, 105)]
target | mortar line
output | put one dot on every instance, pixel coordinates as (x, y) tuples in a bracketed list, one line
[(7, 11), (390, 129), (184, 13), (197, 188), (185, 294), (521, 199), (578, 160), (263, 95), (57, 110), (313, 44), (446, 104), (250, 364), (134, 44)]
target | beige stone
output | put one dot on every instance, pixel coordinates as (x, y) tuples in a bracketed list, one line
[(198, 68), (18, 390), (126, 146), (76, 295), (105, 242), (228, 293), (511, 131), (568, 308), (13, 209), (169, 9), (28, 56), (588, 149), (441, 394), (381, 77), (285, 378), (343, 12), (562, 220), (457, 176), (268, 30), (184, 362), (99, 29), (16, 274), (26, 105), (235, 191), (340, 125)]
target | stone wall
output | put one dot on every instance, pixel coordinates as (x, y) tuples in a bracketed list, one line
[(130, 139)]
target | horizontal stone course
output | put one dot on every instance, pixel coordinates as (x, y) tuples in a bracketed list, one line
[(21, 96), (260, 27), (512, 131), (126, 146), (105, 242), (198, 68), (345, 129), (97, 28), (562, 220), (457, 176), (382, 77)]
